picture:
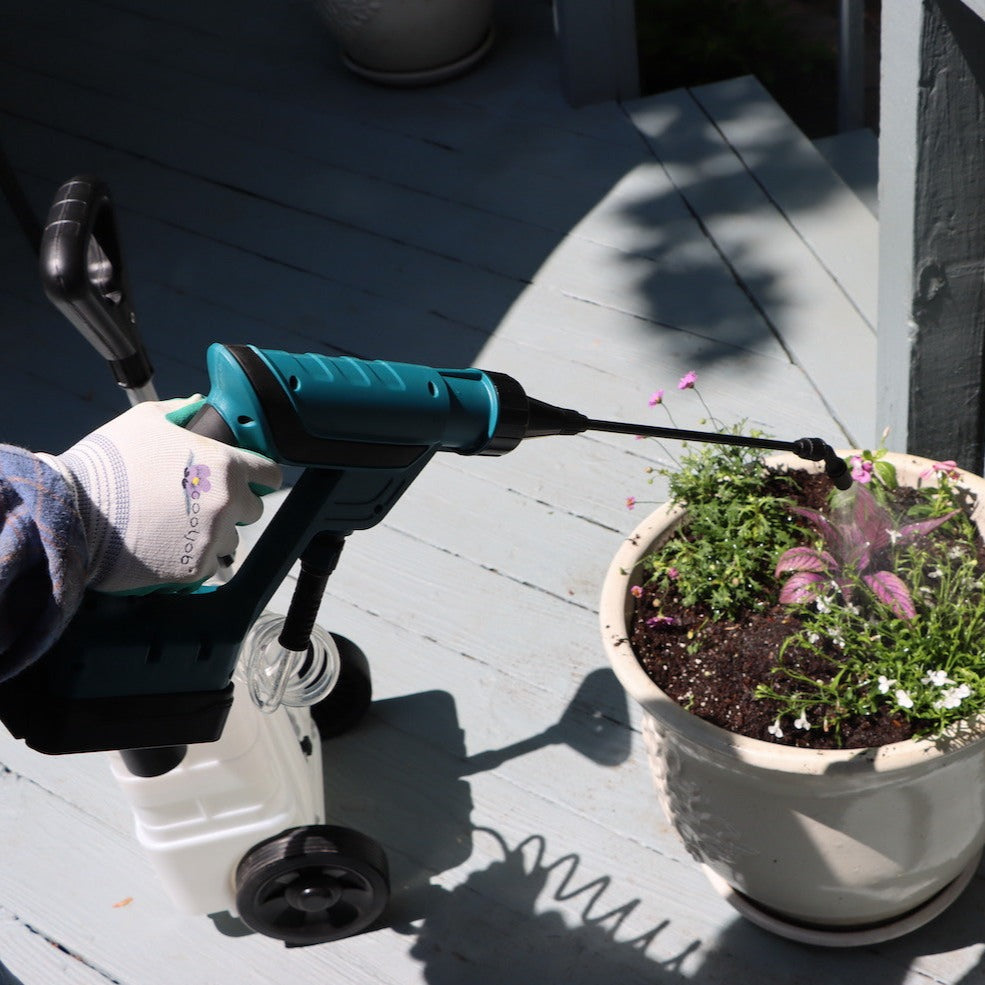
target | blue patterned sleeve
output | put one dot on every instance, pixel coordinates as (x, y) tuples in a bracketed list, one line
[(42, 558)]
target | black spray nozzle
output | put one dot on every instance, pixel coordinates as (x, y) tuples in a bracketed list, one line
[(523, 417), (816, 450)]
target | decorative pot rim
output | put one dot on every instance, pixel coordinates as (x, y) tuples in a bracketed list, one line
[(616, 603)]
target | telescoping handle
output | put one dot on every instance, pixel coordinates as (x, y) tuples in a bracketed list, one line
[(82, 274)]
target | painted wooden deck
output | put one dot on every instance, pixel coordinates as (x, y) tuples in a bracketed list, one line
[(596, 255)]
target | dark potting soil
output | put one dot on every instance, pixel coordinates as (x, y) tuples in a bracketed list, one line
[(718, 681)]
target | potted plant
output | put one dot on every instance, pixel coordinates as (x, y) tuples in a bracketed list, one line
[(409, 42), (811, 669)]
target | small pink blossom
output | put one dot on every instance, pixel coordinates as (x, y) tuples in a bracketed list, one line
[(630, 502), (636, 591), (673, 574), (657, 397), (688, 380), (861, 469), (948, 468), (655, 622)]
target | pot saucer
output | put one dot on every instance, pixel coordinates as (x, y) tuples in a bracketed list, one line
[(426, 76), (844, 936)]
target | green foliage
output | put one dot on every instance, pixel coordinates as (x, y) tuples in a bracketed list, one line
[(735, 530), (692, 42), (929, 667), (923, 660)]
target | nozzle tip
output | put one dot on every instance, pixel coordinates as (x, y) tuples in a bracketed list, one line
[(836, 470)]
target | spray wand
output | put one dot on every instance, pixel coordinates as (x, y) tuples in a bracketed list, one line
[(534, 418)]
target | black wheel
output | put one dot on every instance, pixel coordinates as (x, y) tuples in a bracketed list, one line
[(344, 706), (312, 884)]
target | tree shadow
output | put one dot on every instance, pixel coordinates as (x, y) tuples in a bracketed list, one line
[(266, 195)]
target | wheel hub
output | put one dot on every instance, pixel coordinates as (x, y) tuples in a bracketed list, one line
[(313, 893)]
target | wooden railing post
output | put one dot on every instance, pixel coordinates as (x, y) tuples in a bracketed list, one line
[(851, 65), (931, 333), (597, 44)]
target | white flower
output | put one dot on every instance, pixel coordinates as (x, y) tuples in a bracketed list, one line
[(775, 729), (813, 637), (903, 699), (802, 722), (953, 696), (937, 677), (823, 605), (936, 573), (885, 684), (893, 537)]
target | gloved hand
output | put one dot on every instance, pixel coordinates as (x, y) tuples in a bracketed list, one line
[(160, 504)]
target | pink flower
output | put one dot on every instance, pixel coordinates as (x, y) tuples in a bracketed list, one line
[(636, 591), (861, 469), (654, 622), (673, 574), (688, 380), (630, 502), (657, 397), (948, 468)]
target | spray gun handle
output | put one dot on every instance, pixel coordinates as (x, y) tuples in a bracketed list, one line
[(82, 274)]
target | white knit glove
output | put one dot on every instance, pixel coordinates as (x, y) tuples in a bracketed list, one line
[(159, 504)]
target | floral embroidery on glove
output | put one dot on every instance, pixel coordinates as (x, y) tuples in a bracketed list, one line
[(195, 481)]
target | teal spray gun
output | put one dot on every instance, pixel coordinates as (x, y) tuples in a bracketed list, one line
[(153, 675)]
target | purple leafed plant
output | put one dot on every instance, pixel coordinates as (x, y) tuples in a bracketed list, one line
[(862, 544)]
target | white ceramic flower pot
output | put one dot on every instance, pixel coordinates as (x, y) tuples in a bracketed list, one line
[(410, 42), (835, 847)]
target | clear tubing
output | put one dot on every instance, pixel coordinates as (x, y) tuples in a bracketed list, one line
[(271, 672)]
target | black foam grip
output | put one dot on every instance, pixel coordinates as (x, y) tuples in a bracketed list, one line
[(209, 423)]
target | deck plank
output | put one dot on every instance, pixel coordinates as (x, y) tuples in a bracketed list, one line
[(31, 957), (837, 226), (818, 320)]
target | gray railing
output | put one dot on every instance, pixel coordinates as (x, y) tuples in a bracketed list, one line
[(932, 229), (851, 65)]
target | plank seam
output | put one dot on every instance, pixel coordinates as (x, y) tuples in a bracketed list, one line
[(706, 232), (780, 209), (69, 952), (733, 271)]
